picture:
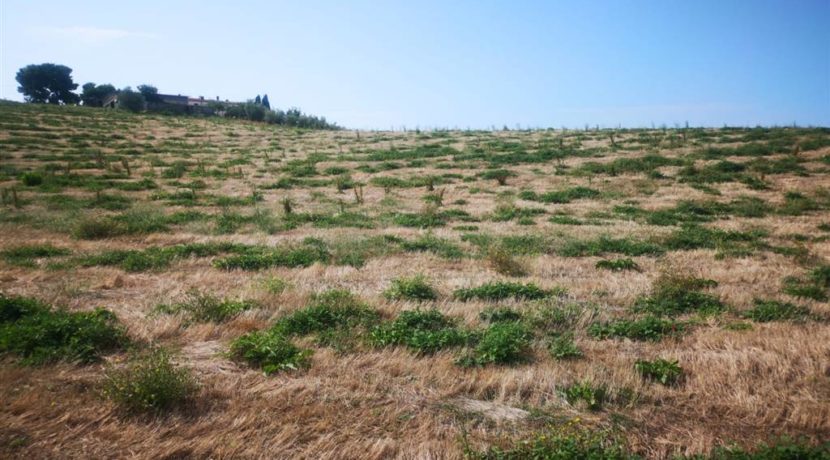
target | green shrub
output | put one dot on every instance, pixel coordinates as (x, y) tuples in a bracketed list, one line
[(289, 256), (659, 370), (12, 308), (97, 228), (150, 383), (269, 350), (594, 397), (563, 347), (40, 335), (499, 315), (414, 288), (648, 328), (673, 295), (25, 255), (501, 343), (562, 441), (31, 179), (502, 261), (431, 243), (772, 310), (425, 331), (332, 309), (500, 290), (428, 219), (499, 175), (204, 307), (617, 265), (604, 244), (816, 284), (783, 448)]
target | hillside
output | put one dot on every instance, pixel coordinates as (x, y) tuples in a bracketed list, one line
[(335, 294)]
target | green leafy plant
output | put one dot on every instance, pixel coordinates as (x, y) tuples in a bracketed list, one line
[(501, 343), (563, 347), (271, 351), (617, 265), (39, 334), (150, 383), (649, 328), (772, 310), (425, 331), (203, 307), (673, 294), (659, 370), (414, 288), (500, 290), (592, 396)]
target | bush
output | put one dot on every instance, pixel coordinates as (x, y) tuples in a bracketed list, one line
[(814, 286), (150, 383), (503, 262), (499, 315), (500, 290), (425, 331), (783, 448), (560, 441), (414, 288), (25, 255), (673, 295), (660, 370), (31, 179), (40, 335), (13, 308), (269, 350), (203, 307), (592, 396), (648, 328), (262, 258), (563, 347), (499, 175), (771, 310), (97, 228), (501, 343), (617, 265), (332, 309)]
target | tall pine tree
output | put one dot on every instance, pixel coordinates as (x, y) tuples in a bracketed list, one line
[(257, 101), (265, 102)]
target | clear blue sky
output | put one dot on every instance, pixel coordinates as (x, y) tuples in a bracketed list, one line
[(379, 64)]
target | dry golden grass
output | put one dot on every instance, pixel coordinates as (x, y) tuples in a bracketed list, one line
[(744, 386)]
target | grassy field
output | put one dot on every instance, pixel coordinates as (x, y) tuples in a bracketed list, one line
[(184, 287)]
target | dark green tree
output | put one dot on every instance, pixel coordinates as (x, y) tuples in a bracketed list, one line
[(265, 102), (93, 95), (150, 93), (47, 83), (257, 101), (131, 100)]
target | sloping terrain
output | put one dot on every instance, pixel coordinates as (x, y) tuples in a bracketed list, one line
[(333, 294)]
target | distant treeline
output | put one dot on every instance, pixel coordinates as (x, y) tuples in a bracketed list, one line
[(52, 84)]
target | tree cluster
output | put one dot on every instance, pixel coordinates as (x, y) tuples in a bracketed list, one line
[(52, 84)]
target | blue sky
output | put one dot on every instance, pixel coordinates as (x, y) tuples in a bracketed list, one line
[(384, 64)]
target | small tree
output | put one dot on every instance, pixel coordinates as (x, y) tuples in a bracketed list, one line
[(258, 100), (131, 100), (47, 83), (150, 93), (93, 95), (265, 102)]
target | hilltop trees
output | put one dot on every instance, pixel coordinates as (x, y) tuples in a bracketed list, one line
[(47, 83), (150, 93), (93, 95), (265, 102), (131, 100)]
